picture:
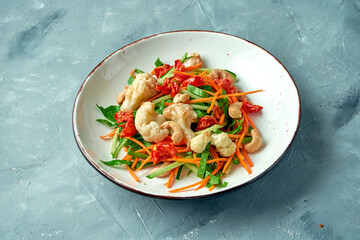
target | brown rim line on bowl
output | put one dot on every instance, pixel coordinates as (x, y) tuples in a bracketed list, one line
[(174, 196)]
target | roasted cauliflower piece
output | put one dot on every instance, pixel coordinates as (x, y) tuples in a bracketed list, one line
[(224, 146), (181, 98), (199, 143), (183, 115), (148, 122), (142, 89)]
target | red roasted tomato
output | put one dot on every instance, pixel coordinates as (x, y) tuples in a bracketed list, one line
[(162, 151), (251, 108), (206, 122)]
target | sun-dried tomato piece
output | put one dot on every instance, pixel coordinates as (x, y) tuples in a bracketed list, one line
[(217, 112), (250, 107), (129, 130), (206, 122), (123, 116), (227, 85), (168, 87), (180, 77), (179, 66), (163, 151), (159, 71), (195, 81)]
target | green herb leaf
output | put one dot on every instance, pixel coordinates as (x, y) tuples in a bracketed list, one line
[(202, 165), (236, 161), (214, 179), (197, 91), (109, 112), (116, 162), (158, 63), (106, 122), (246, 140), (137, 155)]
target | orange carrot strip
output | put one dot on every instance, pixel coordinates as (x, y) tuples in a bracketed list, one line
[(140, 144), (186, 187), (191, 160), (110, 135), (184, 150), (247, 158), (185, 73), (234, 135), (155, 97), (203, 73), (168, 104), (222, 118), (132, 73), (213, 102), (212, 187), (190, 68), (227, 163), (132, 173), (242, 162), (135, 162), (217, 160), (141, 151), (222, 96), (143, 164), (211, 93), (251, 122), (171, 179)]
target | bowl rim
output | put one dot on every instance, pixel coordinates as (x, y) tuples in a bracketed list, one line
[(174, 197)]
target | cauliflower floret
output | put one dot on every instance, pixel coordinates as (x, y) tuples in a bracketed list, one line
[(148, 122), (198, 143), (223, 144), (181, 98), (140, 90), (184, 115)]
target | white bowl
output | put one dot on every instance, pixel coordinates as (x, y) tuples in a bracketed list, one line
[(256, 69)]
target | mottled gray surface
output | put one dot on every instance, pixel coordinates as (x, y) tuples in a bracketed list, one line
[(48, 190)]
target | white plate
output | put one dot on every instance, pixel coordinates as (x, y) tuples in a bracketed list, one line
[(255, 68)]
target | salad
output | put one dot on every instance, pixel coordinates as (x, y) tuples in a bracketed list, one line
[(182, 119)]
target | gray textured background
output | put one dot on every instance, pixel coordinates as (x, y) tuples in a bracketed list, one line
[(49, 191)]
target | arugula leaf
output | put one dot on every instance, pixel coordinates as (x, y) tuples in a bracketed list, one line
[(106, 122), (109, 112), (207, 88), (200, 113), (158, 63), (214, 179)]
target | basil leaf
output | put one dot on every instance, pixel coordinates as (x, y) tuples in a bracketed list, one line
[(246, 140), (158, 63), (109, 112), (202, 165), (214, 180)]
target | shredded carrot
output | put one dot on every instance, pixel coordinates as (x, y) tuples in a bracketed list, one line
[(143, 164), (132, 173), (187, 187), (155, 97), (222, 118), (141, 151), (184, 150), (251, 122), (190, 68), (185, 73), (191, 160), (245, 129), (247, 158), (242, 162), (217, 160), (203, 73), (227, 163), (211, 93), (168, 104), (212, 187), (132, 73), (213, 102), (110, 135), (140, 144), (171, 178), (222, 96), (135, 162), (126, 149), (234, 135), (127, 157)]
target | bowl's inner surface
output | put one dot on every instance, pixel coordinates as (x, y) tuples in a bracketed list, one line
[(255, 68)]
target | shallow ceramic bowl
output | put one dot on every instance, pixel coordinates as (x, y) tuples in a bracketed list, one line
[(256, 69)]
